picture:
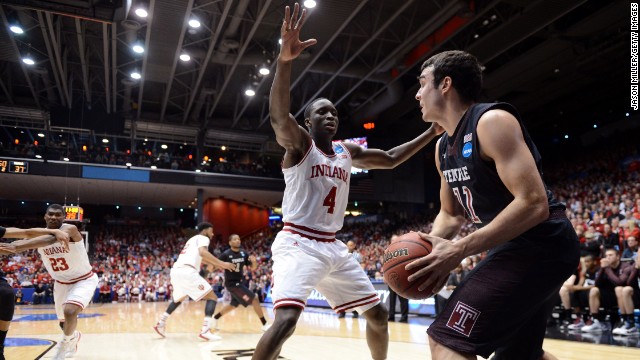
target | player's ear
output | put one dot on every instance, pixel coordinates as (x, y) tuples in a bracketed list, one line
[(446, 84)]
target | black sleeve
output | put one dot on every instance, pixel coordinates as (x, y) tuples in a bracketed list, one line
[(223, 256), (2, 231), (247, 262)]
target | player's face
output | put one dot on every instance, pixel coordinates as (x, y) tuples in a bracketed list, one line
[(235, 242), (209, 233), (323, 120), (428, 96), (54, 218), (588, 262)]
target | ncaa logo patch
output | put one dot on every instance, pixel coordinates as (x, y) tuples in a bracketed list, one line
[(338, 149), (466, 150), (463, 318)]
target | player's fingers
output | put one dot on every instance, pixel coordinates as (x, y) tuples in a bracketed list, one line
[(418, 262), (420, 273), (294, 17), (300, 21), (307, 43), (287, 15)]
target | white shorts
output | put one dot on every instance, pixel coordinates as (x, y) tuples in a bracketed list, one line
[(187, 282), (301, 264), (79, 294)]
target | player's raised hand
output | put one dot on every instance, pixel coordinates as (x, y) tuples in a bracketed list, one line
[(62, 237), (291, 46)]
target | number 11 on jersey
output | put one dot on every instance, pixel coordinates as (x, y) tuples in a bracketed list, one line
[(468, 205)]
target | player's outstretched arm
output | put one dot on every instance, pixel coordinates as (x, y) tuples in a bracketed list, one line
[(18, 233), (380, 159), (288, 133), (27, 244), (208, 258)]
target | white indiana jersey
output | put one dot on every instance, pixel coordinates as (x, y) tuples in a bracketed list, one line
[(190, 254), (66, 266), (317, 190)]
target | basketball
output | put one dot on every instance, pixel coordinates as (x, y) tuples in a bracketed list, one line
[(405, 249)]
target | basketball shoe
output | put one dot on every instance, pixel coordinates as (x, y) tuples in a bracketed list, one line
[(577, 325), (627, 329), (596, 327), (208, 336), (160, 329), (68, 348)]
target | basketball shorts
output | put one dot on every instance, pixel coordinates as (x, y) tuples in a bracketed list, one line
[(7, 300), (504, 303), (240, 295), (187, 281), (301, 264), (79, 293)]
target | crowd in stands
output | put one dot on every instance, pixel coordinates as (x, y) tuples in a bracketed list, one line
[(183, 158)]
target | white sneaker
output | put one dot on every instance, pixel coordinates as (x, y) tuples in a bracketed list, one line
[(628, 330), (619, 329), (214, 324), (160, 329), (265, 327), (208, 336), (596, 327), (62, 350), (73, 344), (578, 324)]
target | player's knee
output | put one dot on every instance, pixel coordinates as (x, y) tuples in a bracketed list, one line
[(70, 311), (627, 291), (564, 291), (594, 292), (377, 315)]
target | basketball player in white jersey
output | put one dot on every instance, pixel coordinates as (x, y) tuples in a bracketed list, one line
[(306, 254), (70, 268), (186, 280)]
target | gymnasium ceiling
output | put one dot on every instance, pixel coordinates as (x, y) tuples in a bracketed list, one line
[(561, 63)]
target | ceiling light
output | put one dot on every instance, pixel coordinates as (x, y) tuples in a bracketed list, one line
[(141, 12), (194, 23), (105, 140), (145, 139), (40, 135), (595, 126), (38, 156), (16, 29), (66, 159), (475, 36), (136, 75), (163, 146), (138, 49), (223, 148), (128, 164), (185, 57), (264, 70), (249, 92), (28, 60), (566, 136), (154, 167), (310, 4)]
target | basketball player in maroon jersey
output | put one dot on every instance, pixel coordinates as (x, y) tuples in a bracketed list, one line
[(317, 172), (490, 171)]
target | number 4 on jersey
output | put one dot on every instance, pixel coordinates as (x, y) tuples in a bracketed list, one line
[(330, 200), (468, 207)]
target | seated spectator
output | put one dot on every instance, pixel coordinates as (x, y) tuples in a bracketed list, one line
[(603, 293), (19, 297), (574, 293), (628, 296), (38, 294), (591, 245), (105, 293), (631, 249)]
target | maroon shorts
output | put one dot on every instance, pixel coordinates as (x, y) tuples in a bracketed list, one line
[(240, 295), (503, 305)]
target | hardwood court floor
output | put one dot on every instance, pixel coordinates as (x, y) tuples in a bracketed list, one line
[(124, 331)]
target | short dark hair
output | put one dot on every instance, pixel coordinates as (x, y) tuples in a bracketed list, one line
[(204, 226), (55, 207), (232, 235), (463, 69), (307, 110)]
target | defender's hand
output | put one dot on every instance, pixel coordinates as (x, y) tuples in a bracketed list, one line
[(62, 237), (228, 266), (291, 46)]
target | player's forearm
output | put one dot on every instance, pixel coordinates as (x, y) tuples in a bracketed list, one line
[(280, 97), (402, 153), (446, 226), (40, 241), (208, 258), (17, 233), (519, 216)]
